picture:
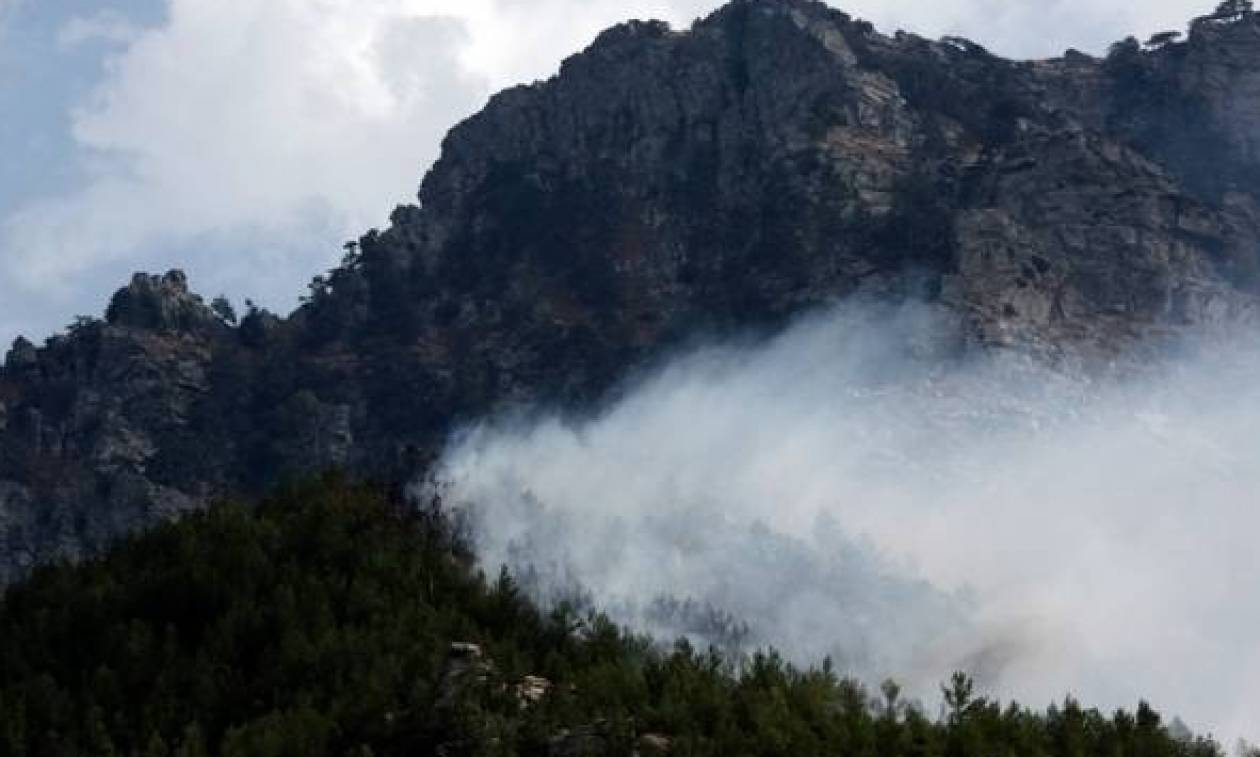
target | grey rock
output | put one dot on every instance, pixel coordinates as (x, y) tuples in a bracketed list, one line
[(654, 743), (532, 690), (582, 741), (467, 672), (161, 303)]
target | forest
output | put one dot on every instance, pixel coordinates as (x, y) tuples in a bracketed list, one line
[(335, 618)]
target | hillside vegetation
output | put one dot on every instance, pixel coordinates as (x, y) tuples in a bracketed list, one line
[(335, 619)]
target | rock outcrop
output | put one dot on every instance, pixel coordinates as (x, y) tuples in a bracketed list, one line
[(777, 156)]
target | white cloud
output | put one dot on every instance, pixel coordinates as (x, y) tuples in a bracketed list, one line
[(241, 115), (1029, 29), (523, 40), (108, 26)]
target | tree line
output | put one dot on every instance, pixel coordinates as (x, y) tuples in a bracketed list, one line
[(321, 622)]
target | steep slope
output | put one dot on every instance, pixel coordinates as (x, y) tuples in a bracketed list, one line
[(777, 156), (335, 621)]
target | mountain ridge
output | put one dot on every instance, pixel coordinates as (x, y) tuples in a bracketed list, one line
[(776, 157)]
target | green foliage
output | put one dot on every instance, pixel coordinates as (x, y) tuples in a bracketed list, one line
[(253, 327), (83, 325), (1160, 39), (1232, 9), (319, 623), (222, 307)]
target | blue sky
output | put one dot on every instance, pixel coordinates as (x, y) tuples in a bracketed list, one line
[(245, 140)]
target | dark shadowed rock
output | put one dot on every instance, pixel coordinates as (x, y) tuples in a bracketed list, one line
[(582, 741), (466, 673), (161, 303), (654, 744), (21, 356)]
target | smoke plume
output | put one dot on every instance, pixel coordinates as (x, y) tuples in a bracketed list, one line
[(853, 488)]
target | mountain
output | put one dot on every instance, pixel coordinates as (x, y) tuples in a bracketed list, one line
[(776, 157)]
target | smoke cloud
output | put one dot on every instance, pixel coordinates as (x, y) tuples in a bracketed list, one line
[(850, 487)]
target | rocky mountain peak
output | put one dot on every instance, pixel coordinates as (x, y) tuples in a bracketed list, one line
[(21, 355), (777, 156), (160, 303)]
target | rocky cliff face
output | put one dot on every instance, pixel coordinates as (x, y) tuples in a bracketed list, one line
[(778, 155)]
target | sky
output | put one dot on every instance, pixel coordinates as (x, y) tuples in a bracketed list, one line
[(245, 141)]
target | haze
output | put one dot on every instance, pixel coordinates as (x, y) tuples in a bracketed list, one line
[(848, 489)]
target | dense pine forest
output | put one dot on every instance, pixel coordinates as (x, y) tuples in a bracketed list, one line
[(337, 619)]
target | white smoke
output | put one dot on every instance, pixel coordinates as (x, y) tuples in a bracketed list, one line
[(849, 488)]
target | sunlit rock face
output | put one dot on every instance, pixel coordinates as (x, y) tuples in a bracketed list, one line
[(668, 185)]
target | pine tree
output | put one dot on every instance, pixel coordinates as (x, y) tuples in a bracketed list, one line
[(958, 696), (156, 746), (193, 742), (1233, 9)]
